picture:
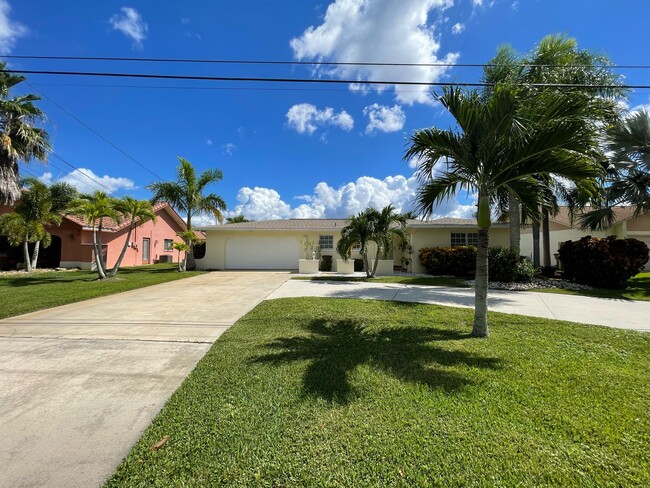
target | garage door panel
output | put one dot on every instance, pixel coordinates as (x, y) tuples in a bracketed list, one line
[(262, 253)]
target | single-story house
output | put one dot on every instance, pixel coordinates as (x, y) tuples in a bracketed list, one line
[(562, 229), (279, 244), (72, 242)]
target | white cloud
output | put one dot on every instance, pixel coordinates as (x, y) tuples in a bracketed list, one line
[(457, 28), (229, 148), (351, 198), (208, 141), (379, 31), (86, 181), (384, 119), (10, 30), (477, 3), (305, 117), (185, 21), (130, 23)]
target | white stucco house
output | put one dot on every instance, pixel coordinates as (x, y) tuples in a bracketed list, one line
[(563, 229), (277, 244)]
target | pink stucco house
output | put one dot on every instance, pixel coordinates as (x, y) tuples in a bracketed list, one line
[(72, 242)]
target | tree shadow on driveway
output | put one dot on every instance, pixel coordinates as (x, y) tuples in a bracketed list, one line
[(336, 348)]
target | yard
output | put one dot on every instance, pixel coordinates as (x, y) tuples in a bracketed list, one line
[(27, 292), (332, 392)]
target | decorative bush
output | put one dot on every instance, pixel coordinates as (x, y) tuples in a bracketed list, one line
[(358, 265), (456, 261), (505, 265), (325, 263), (603, 262)]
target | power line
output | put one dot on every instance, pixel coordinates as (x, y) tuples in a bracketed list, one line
[(305, 80), (313, 63), (94, 131), (110, 190)]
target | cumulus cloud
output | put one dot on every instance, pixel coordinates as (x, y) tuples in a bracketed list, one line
[(457, 28), (379, 31), (229, 148), (86, 181), (329, 202), (208, 141), (384, 119), (10, 30), (130, 23), (305, 117)]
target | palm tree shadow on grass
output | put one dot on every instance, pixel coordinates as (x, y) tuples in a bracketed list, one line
[(336, 348)]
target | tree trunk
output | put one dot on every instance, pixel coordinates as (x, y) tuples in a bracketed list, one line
[(28, 263), (37, 246), (546, 240), (366, 265), (98, 262), (115, 269), (190, 262), (536, 244), (514, 217), (480, 328), (185, 261), (374, 266), (99, 244), (9, 187), (180, 263)]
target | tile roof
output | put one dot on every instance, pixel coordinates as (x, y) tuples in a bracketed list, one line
[(563, 217)]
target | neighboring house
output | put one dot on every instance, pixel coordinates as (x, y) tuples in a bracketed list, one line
[(563, 229), (277, 244), (72, 242)]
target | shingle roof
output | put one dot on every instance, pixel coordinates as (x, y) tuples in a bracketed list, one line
[(563, 217)]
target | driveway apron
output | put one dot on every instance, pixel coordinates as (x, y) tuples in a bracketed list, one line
[(81, 382)]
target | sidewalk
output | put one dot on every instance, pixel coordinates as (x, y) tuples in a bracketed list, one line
[(623, 314)]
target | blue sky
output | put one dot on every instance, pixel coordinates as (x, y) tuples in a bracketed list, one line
[(285, 150)]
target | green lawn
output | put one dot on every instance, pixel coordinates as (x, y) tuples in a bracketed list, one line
[(403, 280), (638, 289), (340, 392), (27, 292)]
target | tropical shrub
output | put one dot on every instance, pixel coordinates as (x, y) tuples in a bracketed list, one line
[(505, 265), (325, 263), (603, 262), (456, 261)]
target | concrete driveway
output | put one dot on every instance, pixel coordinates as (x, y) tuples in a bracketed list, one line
[(81, 382), (622, 314)]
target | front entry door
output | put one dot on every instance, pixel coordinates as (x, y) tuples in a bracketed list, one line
[(145, 250)]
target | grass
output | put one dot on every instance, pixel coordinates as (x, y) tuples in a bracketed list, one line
[(638, 289), (403, 280), (341, 392), (28, 292)]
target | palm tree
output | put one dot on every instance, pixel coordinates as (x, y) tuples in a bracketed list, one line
[(186, 195), (137, 212), (555, 60), (20, 139), (502, 142), (189, 239), (627, 179), (381, 227), (181, 247), (95, 208)]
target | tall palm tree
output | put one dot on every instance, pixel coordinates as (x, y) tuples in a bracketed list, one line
[(137, 212), (555, 60), (186, 195), (20, 139), (95, 208), (627, 180), (502, 142)]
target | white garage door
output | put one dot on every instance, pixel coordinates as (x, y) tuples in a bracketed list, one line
[(262, 253)]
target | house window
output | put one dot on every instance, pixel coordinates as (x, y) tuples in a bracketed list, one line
[(464, 239), (168, 245), (326, 242)]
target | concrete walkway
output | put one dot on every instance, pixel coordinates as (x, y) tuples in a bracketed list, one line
[(81, 382), (623, 314)]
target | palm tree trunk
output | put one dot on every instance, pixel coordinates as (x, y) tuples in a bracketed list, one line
[(515, 222), (113, 271), (376, 263), (28, 263), (9, 188), (546, 240), (99, 245), (536, 244), (98, 262), (37, 246), (480, 328), (366, 266), (185, 261), (190, 262)]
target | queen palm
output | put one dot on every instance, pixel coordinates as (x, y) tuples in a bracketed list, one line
[(20, 139), (501, 143), (137, 212), (186, 195)]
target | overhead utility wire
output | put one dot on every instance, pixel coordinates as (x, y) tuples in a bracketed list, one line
[(94, 131), (81, 172), (310, 63), (301, 80)]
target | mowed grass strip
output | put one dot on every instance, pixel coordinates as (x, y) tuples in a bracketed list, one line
[(27, 292), (399, 279), (340, 392)]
